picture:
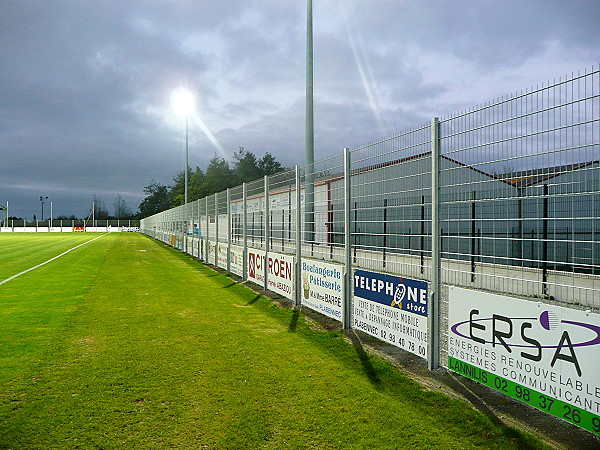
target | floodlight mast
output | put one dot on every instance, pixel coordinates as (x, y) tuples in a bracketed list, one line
[(183, 103), (42, 200), (309, 137), (186, 160)]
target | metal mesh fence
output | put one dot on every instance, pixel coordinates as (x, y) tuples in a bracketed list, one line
[(510, 187), (322, 211), (520, 193), (281, 212), (391, 204)]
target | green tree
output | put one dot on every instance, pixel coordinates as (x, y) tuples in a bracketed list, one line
[(157, 199), (269, 165), (218, 176), (246, 166), (196, 184), (177, 190)]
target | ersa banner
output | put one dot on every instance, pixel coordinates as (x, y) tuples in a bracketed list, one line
[(391, 308), (544, 355)]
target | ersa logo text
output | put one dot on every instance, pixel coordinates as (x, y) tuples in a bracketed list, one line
[(401, 293), (536, 338)]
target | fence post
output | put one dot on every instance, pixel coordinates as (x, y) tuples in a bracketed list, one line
[(207, 232), (298, 239), (266, 231), (216, 229), (228, 229), (545, 242), (244, 232), (347, 243), (433, 324)]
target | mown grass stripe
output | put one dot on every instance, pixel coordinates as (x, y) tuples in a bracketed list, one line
[(48, 261)]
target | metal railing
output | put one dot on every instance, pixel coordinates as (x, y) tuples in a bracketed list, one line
[(503, 197)]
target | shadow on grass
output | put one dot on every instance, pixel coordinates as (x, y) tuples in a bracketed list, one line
[(294, 322), (253, 300), (229, 285), (459, 386), (364, 360)]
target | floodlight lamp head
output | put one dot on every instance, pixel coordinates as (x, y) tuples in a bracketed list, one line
[(182, 101)]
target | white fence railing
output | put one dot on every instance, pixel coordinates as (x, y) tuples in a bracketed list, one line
[(435, 239)]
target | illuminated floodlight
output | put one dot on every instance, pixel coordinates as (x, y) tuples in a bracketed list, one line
[(182, 101)]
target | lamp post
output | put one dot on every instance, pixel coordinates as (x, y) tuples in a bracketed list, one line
[(42, 200), (183, 103), (309, 135)]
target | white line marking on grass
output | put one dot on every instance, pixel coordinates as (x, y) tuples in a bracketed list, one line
[(50, 260)]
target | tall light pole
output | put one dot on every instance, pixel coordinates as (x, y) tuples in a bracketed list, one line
[(42, 200), (183, 102), (309, 136)]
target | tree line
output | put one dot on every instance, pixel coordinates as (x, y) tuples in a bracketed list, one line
[(218, 176)]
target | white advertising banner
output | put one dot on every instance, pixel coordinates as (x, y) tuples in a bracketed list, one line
[(391, 308), (222, 255), (236, 256), (544, 355), (202, 249), (96, 229), (193, 249), (256, 266), (6, 230), (323, 287), (210, 252), (280, 274)]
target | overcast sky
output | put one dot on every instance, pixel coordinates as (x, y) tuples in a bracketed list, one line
[(85, 85)]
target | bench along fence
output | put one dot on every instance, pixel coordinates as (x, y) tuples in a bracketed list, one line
[(471, 241)]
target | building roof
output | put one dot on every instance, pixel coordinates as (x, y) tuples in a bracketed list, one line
[(532, 177)]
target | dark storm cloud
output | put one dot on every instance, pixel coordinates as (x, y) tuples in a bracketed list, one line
[(84, 86)]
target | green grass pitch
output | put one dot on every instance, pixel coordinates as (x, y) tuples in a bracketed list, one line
[(126, 343)]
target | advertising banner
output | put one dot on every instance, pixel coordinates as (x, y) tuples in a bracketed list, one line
[(544, 355), (210, 252), (323, 287), (6, 230), (222, 254), (391, 308), (96, 229), (280, 274), (256, 266), (236, 255), (202, 249)]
